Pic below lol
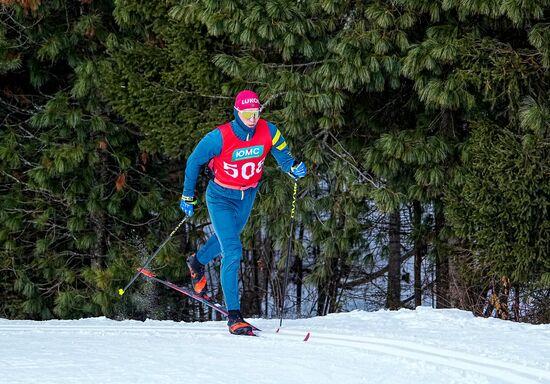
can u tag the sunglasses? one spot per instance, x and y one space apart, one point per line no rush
250 114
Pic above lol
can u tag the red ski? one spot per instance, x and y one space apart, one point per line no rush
203 298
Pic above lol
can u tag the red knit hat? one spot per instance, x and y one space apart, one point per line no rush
247 100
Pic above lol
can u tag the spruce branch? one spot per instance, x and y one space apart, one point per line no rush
271 98
38 191
300 65
190 93
346 158
149 222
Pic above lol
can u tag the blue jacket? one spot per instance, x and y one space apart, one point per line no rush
211 145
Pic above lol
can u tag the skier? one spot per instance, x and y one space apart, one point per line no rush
236 152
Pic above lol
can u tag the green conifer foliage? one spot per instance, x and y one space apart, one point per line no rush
321 68
488 63
502 206
280 49
73 181
438 104
159 77
377 97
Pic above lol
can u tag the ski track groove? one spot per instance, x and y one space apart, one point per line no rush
505 371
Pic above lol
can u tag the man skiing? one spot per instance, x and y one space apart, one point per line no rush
236 152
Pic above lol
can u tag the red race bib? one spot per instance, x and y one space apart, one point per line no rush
240 163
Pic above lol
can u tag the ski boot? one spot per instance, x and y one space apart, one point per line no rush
198 278
236 324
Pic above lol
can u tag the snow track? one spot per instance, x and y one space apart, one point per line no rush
433 347
504 371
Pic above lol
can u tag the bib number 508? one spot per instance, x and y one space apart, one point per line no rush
247 170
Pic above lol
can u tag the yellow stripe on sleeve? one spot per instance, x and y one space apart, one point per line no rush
276 138
282 146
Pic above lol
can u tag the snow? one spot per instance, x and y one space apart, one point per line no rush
422 346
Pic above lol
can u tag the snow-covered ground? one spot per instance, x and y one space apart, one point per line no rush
424 346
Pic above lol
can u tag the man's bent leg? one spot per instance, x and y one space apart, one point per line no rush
209 251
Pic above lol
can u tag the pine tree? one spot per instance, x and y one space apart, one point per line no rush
74 180
501 208
483 61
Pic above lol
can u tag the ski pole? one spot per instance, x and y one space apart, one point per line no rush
148 261
292 211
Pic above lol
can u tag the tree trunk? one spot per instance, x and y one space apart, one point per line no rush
258 273
267 257
516 303
333 285
442 260
298 268
503 311
393 298
99 218
321 288
249 276
419 252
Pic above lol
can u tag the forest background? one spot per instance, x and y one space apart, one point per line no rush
425 126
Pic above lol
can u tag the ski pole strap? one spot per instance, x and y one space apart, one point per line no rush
292 176
293 210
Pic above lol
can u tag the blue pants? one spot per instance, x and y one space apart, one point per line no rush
229 211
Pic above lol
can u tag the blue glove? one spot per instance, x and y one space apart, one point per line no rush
187 205
298 170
